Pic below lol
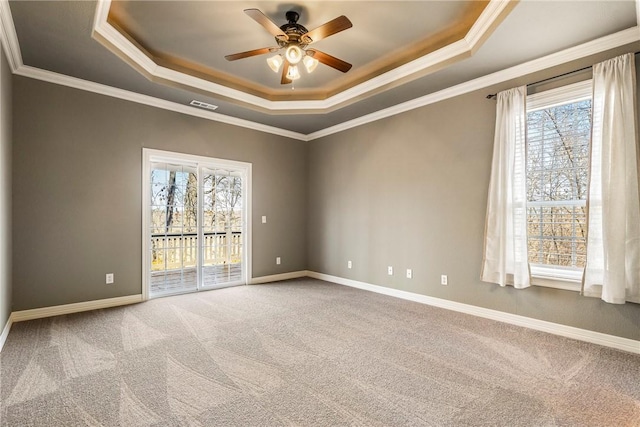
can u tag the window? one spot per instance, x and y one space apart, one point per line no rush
558 140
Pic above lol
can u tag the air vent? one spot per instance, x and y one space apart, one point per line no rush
203 105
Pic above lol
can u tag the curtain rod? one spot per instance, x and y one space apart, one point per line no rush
495 95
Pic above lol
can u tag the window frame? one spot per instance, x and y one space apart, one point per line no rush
558 277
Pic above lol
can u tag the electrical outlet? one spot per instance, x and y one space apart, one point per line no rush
109 278
349 264
390 271
264 219
444 280
278 260
409 273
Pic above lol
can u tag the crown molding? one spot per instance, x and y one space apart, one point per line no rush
104 32
8 37
112 36
64 80
593 47
487 21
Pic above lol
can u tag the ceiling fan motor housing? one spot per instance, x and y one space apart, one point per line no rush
294 31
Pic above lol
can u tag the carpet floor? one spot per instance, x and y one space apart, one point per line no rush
309 353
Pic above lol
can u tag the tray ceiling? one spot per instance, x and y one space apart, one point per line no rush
193 39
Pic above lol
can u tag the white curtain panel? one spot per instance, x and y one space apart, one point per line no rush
612 271
505 260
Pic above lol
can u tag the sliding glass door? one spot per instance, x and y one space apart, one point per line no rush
221 227
195 220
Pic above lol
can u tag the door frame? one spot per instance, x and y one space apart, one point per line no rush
150 155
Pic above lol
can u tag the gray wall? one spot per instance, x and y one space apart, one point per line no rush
77 163
5 189
410 191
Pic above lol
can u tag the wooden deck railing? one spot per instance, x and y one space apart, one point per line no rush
174 251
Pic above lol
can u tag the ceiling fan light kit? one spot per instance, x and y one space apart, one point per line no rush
309 63
294 39
293 54
275 62
293 73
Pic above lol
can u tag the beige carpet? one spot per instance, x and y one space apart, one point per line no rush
305 352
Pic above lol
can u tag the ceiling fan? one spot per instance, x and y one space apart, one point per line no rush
295 39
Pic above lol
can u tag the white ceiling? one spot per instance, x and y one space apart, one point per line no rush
56 37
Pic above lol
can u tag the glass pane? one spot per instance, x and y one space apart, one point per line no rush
174 246
189 278
557 235
557 172
159 218
157 259
222 227
558 152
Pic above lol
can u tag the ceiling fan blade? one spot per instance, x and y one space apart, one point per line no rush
285 70
250 53
332 27
329 60
267 23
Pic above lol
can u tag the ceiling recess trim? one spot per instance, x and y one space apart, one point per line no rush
9 37
490 17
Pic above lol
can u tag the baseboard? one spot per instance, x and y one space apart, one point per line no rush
599 338
5 332
278 277
625 344
39 313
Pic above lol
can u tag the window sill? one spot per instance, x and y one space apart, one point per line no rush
567 279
